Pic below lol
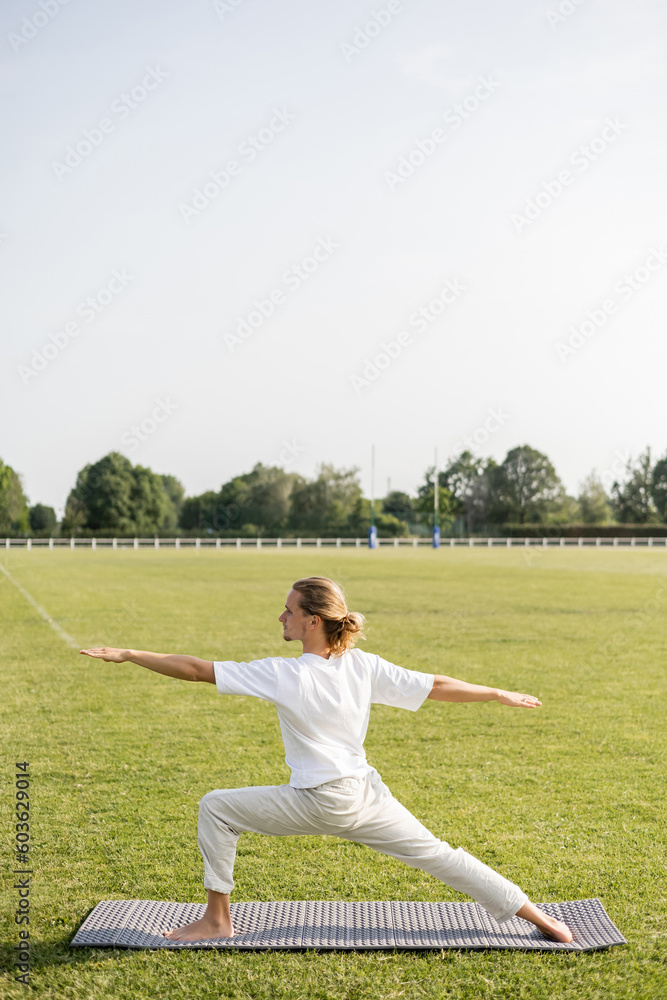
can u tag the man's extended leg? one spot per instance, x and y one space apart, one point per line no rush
390 828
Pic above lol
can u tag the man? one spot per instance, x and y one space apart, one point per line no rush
323 700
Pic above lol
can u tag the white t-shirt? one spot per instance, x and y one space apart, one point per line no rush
324 705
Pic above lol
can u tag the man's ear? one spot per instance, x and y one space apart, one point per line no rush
316 621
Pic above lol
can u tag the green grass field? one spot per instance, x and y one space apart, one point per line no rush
569 800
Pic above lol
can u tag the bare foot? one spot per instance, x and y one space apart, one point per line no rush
549 926
201 930
555 929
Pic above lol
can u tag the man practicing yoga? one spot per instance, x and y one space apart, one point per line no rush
323 700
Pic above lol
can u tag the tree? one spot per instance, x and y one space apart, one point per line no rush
562 508
260 499
327 504
565 509
199 513
659 488
525 487
76 513
387 524
102 497
112 496
175 494
468 480
42 520
593 501
425 502
149 501
399 505
13 502
632 500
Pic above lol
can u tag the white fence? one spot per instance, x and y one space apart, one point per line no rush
318 543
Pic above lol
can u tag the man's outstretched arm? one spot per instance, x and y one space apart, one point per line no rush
185 668
450 689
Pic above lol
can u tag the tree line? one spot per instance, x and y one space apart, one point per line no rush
475 496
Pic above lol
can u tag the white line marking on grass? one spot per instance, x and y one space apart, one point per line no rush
40 610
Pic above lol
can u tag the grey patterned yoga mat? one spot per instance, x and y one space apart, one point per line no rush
123 923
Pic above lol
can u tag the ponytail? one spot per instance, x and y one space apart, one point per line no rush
321 596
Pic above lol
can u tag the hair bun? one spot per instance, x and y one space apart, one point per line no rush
321 596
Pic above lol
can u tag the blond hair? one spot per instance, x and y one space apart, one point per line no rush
320 596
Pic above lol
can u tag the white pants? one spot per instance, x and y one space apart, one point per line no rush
358 809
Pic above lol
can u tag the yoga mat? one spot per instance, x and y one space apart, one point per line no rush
128 923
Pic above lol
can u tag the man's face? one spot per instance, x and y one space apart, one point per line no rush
293 620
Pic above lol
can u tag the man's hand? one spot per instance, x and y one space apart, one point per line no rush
516 700
450 689
107 653
185 668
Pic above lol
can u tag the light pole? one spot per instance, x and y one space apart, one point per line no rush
436 515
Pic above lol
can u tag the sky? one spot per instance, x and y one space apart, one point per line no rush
242 231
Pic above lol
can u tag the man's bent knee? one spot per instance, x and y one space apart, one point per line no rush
212 815
206 803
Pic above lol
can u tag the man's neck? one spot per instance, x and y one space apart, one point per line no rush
317 647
